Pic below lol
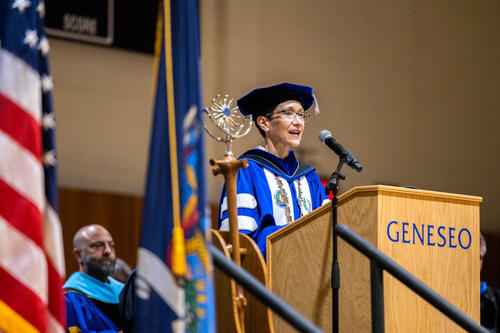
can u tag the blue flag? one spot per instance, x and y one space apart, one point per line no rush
174 289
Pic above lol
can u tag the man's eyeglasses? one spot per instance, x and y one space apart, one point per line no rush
290 115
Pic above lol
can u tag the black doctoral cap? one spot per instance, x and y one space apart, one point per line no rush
261 101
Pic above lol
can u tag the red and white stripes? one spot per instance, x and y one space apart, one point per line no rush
31 253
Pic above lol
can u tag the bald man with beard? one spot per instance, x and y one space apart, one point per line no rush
91 293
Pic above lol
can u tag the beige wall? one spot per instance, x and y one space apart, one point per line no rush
103 105
410 87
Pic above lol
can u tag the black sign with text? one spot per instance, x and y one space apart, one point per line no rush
85 20
124 24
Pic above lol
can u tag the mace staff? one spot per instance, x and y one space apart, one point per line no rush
225 123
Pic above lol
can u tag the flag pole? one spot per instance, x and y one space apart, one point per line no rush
178 248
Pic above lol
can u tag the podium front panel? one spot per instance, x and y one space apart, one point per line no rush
433 235
435 238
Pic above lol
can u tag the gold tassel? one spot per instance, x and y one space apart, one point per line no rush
178 252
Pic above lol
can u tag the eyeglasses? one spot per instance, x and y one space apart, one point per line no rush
290 115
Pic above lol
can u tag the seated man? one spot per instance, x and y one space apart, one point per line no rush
490 298
275 189
92 294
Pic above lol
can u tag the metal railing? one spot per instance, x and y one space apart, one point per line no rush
380 262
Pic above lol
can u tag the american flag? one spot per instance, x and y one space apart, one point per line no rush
31 253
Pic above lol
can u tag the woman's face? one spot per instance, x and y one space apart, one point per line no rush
284 126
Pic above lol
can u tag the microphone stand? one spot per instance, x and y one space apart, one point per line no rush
333 187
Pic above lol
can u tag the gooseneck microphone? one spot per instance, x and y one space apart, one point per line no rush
327 138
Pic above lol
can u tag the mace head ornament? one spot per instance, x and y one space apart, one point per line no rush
224 122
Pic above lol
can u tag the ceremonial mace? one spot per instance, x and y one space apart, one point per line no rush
224 123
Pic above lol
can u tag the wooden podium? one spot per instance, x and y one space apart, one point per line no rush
433 235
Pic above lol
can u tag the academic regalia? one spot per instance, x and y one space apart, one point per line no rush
92 305
490 307
127 303
261 101
262 202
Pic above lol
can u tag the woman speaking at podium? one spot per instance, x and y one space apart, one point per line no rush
275 189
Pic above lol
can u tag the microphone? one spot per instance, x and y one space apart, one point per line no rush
327 138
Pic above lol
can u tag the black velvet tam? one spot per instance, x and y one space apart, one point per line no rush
261 101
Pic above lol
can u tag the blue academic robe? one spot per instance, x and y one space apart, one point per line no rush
261 202
82 313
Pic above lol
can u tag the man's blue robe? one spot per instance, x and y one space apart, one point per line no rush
261 205
82 292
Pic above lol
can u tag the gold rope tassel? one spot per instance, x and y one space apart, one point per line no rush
178 252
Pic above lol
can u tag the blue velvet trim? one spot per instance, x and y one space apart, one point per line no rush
287 165
94 288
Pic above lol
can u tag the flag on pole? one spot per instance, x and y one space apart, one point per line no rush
31 252
174 289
